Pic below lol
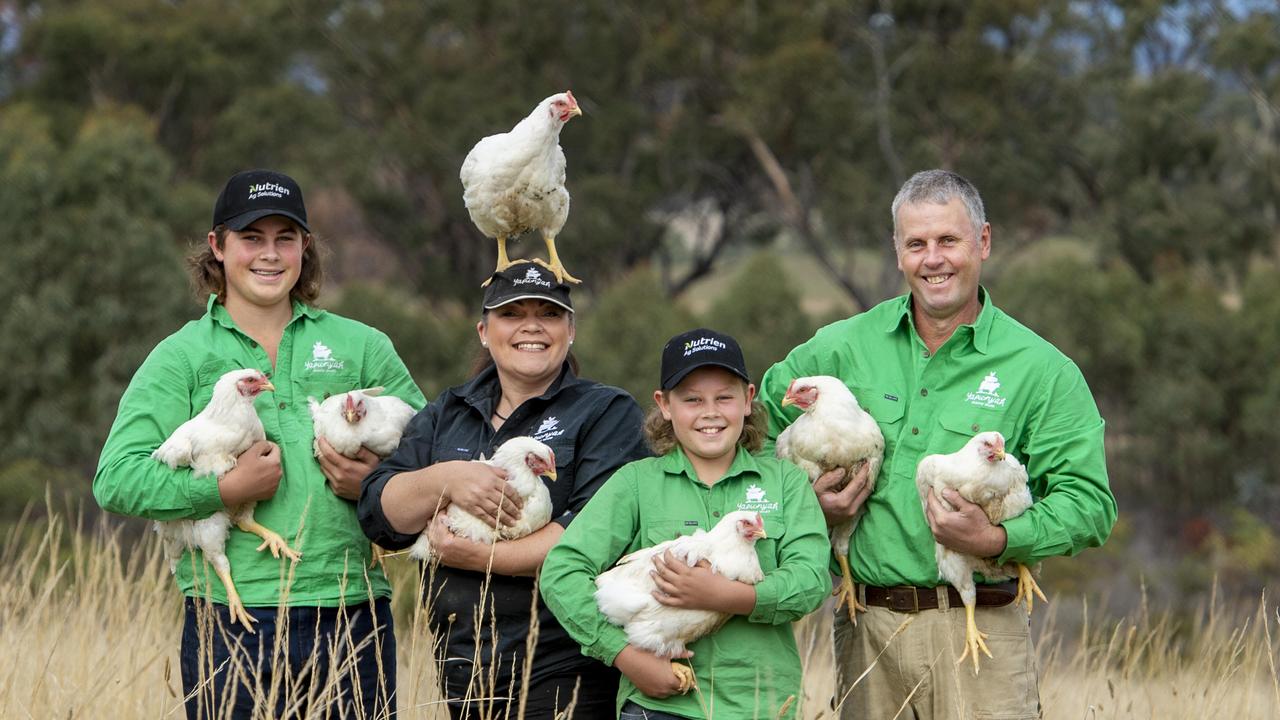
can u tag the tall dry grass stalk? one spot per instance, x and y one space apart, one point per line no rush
89 629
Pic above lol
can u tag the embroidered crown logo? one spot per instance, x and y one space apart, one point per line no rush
320 352
755 493
322 359
548 424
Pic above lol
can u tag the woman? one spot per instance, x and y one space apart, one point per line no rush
261 271
527 385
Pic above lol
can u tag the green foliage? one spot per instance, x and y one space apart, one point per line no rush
620 338
92 283
761 310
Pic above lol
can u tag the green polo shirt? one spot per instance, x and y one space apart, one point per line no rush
320 354
749 666
992 375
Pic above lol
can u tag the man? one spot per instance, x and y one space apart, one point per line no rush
935 367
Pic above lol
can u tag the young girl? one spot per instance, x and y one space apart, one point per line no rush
261 273
703 430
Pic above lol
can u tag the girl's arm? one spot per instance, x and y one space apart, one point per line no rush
128 480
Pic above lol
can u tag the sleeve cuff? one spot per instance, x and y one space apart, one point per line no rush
564 520
1019 542
766 602
202 493
606 649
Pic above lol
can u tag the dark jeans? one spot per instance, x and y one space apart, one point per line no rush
632 711
547 699
342 659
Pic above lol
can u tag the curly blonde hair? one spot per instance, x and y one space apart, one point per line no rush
208 275
661 434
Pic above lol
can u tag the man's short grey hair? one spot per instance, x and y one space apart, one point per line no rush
940 187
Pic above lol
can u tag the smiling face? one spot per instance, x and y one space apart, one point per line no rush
261 262
707 411
941 254
528 339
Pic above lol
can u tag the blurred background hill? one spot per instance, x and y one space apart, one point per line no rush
734 168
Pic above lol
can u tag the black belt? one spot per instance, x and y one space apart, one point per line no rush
910 599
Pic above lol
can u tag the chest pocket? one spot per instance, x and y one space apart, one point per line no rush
961 424
325 387
206 377
888 414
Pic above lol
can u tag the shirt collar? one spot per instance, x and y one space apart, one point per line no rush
677 463
482 391
979 331
218 312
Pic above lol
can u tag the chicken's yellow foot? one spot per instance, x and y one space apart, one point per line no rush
846 592
555 265
503 261
234 606
1026 586
270 539
684 673
974 639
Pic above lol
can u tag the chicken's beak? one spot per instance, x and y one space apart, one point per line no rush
999 455
350 416
759 533
551 474
788 400
575 111
266 385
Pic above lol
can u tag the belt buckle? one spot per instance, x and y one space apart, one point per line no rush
903 599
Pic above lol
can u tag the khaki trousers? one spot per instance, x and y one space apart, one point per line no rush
917 671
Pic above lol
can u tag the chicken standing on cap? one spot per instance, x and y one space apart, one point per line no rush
513 182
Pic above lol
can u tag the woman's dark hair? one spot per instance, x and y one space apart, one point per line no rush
661 434
482 359
208 275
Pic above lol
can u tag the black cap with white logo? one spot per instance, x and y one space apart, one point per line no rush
524 280
691 350
254 194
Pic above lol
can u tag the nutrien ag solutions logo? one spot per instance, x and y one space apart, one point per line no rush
756 501
322 359
702 343
258 190
988 395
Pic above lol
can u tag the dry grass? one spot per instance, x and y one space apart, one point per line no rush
90 630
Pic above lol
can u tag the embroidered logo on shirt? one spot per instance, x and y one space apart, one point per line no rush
547 429
987 395
756 501
322 359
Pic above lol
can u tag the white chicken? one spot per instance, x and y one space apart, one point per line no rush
984 474
834 432
513 182
524 459
360 418
624 593
209 444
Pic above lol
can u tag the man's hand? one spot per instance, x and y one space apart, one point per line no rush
652 675
345 474
697 588
255 477
482 490
840 504
962 526
453 550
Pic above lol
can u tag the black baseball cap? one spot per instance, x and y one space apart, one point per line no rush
525 280
691 350
254 194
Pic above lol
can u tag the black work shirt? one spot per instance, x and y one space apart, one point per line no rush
593 429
